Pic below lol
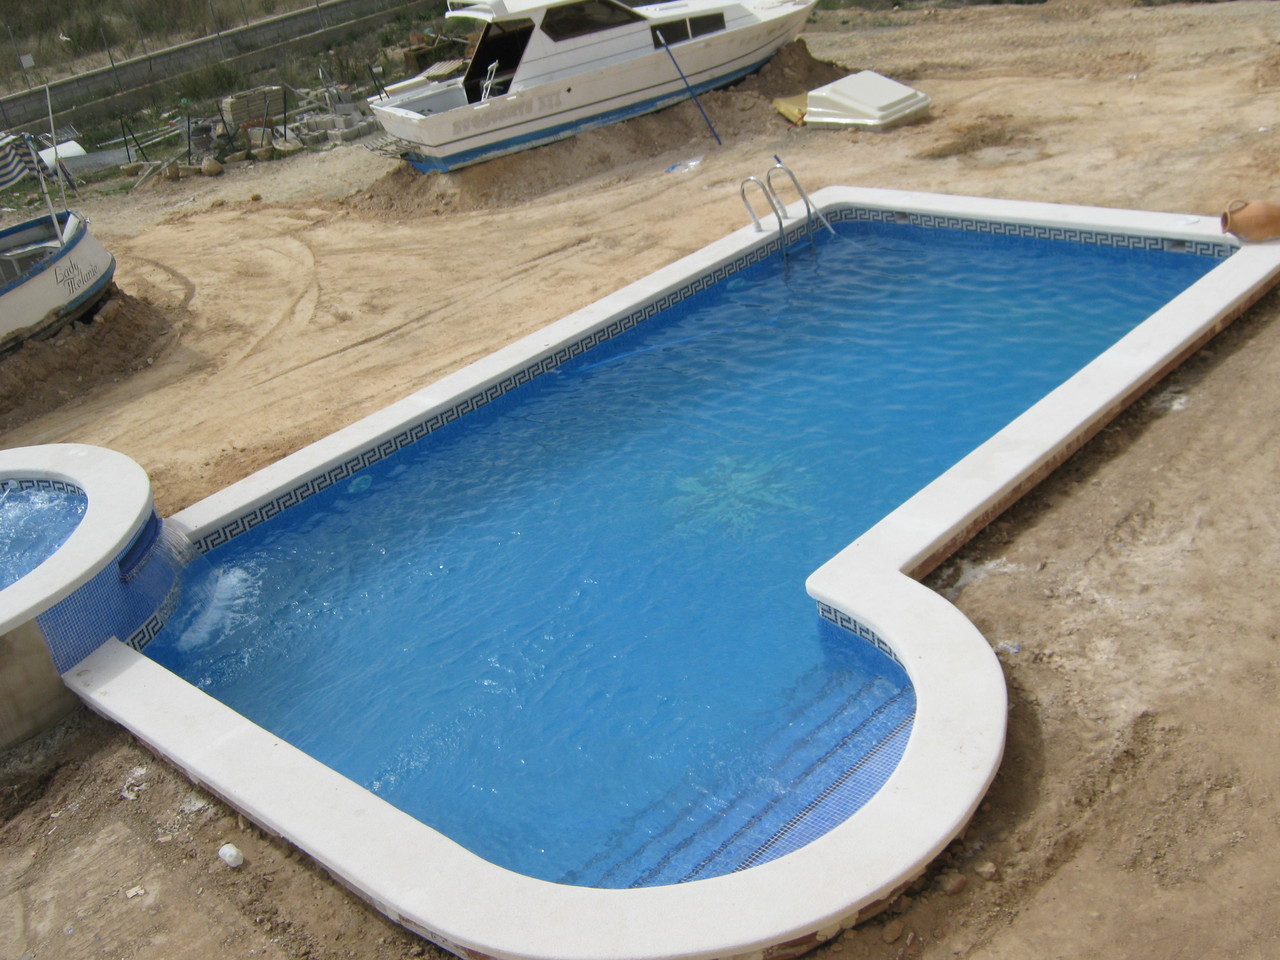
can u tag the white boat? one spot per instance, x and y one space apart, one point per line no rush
541 70
52 270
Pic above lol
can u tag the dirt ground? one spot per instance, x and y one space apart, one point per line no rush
1131 596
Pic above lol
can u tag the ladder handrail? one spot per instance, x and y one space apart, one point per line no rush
775 202
810 208
770 197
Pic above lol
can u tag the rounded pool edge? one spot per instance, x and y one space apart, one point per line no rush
430 884
119 502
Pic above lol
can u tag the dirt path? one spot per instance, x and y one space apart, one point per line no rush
1130 595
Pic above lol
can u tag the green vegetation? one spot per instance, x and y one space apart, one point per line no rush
64 37
67 36
196 95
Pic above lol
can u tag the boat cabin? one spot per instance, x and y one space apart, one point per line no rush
556 35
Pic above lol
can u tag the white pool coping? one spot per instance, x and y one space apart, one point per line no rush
119 502
432 885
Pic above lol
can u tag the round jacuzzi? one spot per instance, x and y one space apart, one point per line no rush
77 526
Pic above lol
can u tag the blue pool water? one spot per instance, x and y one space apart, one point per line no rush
34 523
569 630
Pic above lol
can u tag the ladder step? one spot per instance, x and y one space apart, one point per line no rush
388 145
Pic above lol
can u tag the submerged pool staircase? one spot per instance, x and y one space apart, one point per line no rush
812 213
829 758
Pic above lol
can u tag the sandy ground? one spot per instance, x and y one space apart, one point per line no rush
1130 596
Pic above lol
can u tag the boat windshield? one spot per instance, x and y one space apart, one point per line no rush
497 53
586 16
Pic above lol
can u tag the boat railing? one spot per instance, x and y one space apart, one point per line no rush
488 80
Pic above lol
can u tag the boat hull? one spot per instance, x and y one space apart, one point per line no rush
545 112
60 288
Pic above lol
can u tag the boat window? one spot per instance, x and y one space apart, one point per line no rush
672 32
710 23
678 30
586 16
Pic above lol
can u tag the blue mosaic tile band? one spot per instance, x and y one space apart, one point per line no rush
799 228
109 606
858 629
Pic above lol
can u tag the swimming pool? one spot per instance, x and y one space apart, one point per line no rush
550 685
433 886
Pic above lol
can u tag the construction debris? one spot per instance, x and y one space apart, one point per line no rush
865 99
260 124
256 105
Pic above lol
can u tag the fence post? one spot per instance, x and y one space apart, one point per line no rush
17 56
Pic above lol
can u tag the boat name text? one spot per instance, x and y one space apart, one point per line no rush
499 114
73 276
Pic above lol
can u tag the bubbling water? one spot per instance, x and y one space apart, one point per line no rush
34 522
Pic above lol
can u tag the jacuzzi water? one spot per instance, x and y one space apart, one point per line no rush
34 522
569 630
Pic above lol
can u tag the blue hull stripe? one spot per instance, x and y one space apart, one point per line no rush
558 132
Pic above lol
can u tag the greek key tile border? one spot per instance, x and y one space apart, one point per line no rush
153 624
1103 238
858 629
38 483
416 431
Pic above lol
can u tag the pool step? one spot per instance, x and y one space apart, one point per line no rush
824 798
825 762
662 822
767 823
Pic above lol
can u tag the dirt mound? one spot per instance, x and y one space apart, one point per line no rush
744 110
790 71
120 338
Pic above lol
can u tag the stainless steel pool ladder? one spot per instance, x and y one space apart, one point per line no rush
775 203
770 197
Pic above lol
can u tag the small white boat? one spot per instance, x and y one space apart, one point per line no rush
52 270
541 70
